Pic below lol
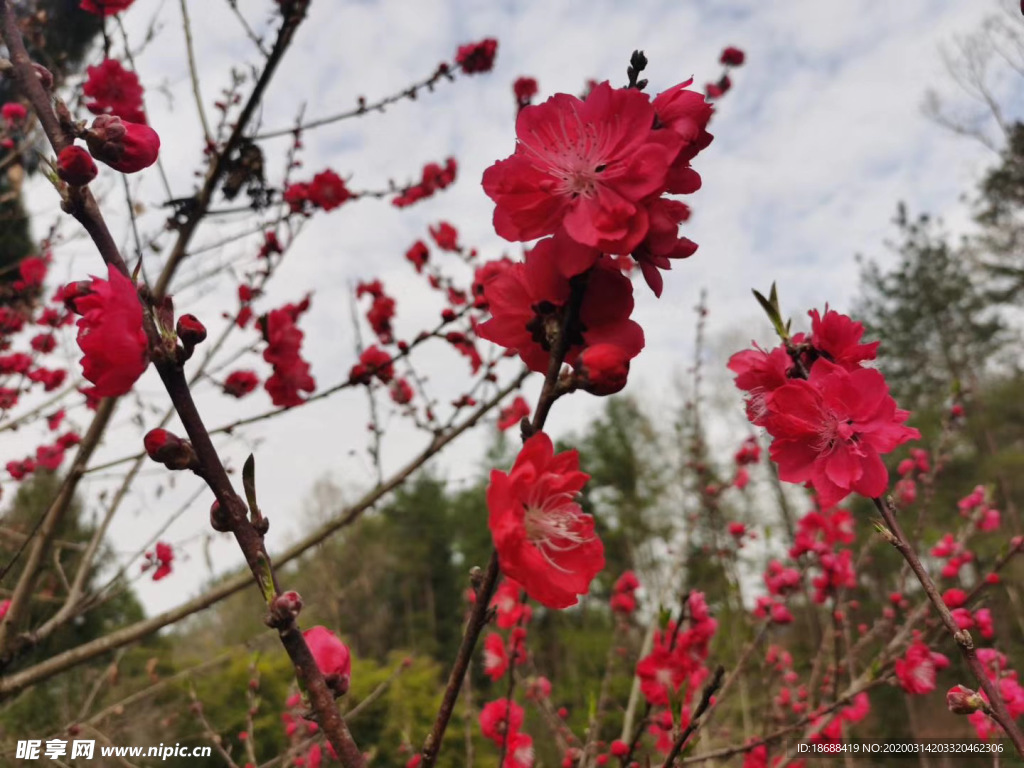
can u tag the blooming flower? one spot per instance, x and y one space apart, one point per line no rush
526 301
495 656
732 57
837 337
241 383
511 415
445 235
511 609
13 113
113 90
110 334
328 190
831 429
585 165
525 88
544 540
500 717
916 670
162 557
477 57
291 373
373 361
418 255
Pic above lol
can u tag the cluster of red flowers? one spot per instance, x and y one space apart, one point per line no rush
284 342
748 453
434 178
326 191
910 470
677 661
623 599
998 671
591 178
597 171
501 721
381 311
474 58
976 506
731 57
831 428
513 615
113 90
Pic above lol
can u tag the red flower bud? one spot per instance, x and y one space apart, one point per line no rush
218 520
191 332
285 608
332 657
603 369
124 146
963 701
75 166
170 450
45 76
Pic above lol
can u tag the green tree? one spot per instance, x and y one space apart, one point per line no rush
931 313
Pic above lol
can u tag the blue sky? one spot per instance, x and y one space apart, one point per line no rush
821 136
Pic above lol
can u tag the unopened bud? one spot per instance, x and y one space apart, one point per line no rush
71 292
963 701
218 519
191 332
45 76
288 604
124 146
602 369
76 166
170 450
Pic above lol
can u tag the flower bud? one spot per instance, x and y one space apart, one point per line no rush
75 166
218 520
124 146
45 76
332 658
170 450
602 369
191 332
963 701
285 608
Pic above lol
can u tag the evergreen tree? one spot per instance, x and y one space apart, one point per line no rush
931 313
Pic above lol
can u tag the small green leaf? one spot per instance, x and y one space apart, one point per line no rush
266 580
249 484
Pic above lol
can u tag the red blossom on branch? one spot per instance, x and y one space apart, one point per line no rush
114 348
544 540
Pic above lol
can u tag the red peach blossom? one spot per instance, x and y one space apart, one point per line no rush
544 540
585 165
114 348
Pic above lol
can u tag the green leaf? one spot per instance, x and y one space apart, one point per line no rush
249 484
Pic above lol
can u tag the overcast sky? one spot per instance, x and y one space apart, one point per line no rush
821 136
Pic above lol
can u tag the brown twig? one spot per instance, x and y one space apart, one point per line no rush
695 719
